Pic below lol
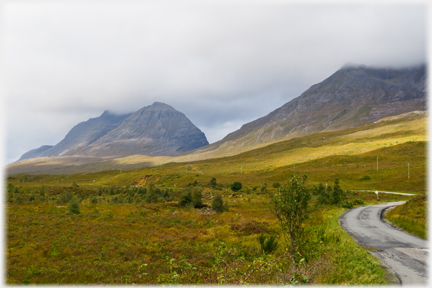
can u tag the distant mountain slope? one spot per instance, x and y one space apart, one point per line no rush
157 129
35 152
351 97
84 134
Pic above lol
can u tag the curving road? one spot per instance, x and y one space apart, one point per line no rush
403 253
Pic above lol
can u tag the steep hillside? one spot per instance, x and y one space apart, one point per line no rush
84 134
157 129
351 97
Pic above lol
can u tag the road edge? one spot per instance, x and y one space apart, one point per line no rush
391 276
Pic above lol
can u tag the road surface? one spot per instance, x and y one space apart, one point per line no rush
403 253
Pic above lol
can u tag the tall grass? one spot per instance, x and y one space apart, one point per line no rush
411 216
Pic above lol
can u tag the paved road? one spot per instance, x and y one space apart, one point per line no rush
403 253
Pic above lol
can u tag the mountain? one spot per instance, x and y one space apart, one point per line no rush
351 97
154 130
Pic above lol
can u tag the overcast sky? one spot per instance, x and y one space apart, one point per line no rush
222 65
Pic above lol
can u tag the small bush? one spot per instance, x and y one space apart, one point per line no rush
191 197
268 244
366 177
218 204
347 204
74 206
276 185
197 198
65 197
213 182
358 201
236 186
93 200
185 198
263 187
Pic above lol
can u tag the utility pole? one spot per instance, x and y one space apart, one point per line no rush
377 163
408 173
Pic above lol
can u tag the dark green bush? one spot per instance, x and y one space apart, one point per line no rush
191 196
347 204
74 206
236 186
366 177
218 204
213 182
358 201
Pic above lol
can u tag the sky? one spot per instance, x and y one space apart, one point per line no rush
222 64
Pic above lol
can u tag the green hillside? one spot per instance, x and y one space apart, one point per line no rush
132 227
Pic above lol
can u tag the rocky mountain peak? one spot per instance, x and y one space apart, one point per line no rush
157 129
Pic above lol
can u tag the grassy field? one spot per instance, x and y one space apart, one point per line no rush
411 217
121 236
112 242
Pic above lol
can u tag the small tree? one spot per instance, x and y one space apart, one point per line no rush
323 196
152 196
74 206
218 204
290 206
236 186
197 198
65 197
337 194
213 182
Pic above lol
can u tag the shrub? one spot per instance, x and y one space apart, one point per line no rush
213 182
347 204
192 197
366 177
263 187
185 198
236 186
218 204
74 206
197 198
290 206
152 197
323 196
93 200
65 197
276 185
358 201
268 244
337 194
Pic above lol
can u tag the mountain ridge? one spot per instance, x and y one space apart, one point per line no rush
350 97
153 130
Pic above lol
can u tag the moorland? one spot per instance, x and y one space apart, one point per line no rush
119 223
